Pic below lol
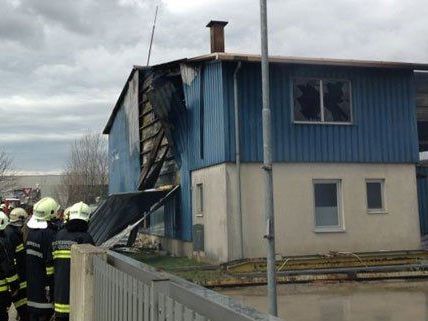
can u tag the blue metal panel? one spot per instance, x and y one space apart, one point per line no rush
124 141
383 129
188 135
124 161
213 116
422 178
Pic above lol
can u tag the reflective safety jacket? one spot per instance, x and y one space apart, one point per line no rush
14 237
40 270
9 280
74 232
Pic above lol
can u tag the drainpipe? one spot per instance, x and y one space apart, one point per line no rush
238 162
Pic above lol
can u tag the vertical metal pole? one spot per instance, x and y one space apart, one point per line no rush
267 165
151 37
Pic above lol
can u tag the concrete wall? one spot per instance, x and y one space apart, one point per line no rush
397 229
214 216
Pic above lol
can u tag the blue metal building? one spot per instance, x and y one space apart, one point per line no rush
193 100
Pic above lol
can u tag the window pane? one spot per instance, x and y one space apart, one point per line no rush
337 106
199 198
374 195
326 211
306 93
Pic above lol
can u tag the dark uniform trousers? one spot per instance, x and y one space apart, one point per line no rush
40 273
14 237
61 254
9 280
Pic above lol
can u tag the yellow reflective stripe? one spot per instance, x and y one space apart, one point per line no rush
4 288
61 254
3 282
12 279
19 248
62 308
49 270
22 285
20 303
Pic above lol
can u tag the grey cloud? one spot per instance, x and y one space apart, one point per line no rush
16 26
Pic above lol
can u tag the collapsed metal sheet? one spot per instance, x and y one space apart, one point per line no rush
121 210
115 240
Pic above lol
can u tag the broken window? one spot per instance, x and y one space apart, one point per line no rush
322 100
336 101
307 100
327 204
375 195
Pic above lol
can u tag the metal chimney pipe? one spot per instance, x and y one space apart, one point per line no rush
217 35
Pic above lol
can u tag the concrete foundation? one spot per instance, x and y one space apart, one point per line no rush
397 228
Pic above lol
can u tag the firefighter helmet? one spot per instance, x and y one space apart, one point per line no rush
79 211
18 215
43 211
4 221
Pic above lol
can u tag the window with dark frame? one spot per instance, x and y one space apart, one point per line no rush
199 199
327 194
322 100
375 195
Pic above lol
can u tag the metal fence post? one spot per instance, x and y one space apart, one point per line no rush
83 281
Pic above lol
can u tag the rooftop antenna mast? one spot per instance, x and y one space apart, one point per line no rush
153 33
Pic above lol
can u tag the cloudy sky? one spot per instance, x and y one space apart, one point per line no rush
63 63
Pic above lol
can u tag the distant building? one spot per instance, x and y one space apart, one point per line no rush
345 149
30 188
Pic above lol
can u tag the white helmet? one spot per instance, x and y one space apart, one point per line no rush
18 215
43 211
79 211
4 221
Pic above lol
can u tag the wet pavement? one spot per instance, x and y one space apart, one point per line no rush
379 301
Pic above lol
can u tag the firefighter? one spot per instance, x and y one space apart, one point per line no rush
9 280
13 233
75 231
39 261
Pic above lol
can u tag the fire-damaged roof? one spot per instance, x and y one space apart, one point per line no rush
221 56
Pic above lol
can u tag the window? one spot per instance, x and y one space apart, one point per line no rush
199 199
327 196
322 100
375 195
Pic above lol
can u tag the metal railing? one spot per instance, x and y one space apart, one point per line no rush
128 290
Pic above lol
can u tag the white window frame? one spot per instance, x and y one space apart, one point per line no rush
341 220
322 121
199 199
382 210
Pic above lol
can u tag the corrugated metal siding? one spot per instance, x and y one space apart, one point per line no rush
422 179
188 138
213 116
124 141
383 107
